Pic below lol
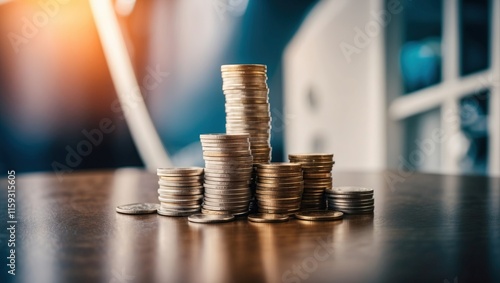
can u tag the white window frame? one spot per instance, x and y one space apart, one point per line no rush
453 87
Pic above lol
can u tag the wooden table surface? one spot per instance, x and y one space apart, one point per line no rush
426 228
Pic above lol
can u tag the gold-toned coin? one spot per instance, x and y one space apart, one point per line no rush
267 218
176 171
188 179
311 156
223 137
231 155
319 215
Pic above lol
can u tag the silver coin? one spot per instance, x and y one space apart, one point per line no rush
350 211
178 206
175 213
224 147
228 177
231 212
210 218
235 181
228 187
180 202
183 192
225 204
352 201
228 207
226 198
180 184
350 190
221 195
183 201
349 196
235 192
223 137
137 208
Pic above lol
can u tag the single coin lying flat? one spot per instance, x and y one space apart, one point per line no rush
137 208
210 218
319 215
267 218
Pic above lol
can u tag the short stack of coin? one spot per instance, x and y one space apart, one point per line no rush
317 170
228 169
181 190
279 188
351 200
247 106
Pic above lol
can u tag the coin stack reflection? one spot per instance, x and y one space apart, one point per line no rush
181 190
317 170
228 169
279 187
247 106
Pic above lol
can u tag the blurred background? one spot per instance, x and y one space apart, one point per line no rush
410 85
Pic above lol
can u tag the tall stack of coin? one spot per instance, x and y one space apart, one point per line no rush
247 106
351 200
317 170
228 169
279 187
181 190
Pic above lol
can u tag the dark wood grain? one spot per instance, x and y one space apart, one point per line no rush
426 228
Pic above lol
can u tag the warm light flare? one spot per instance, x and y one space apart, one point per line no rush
141 127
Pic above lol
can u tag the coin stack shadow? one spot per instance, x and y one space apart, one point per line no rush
351 200
228 169
279 187
181 190
317 170
247 106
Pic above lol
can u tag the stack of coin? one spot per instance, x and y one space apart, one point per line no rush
181 191
228 169
317 170
279 188
351 200
247 106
